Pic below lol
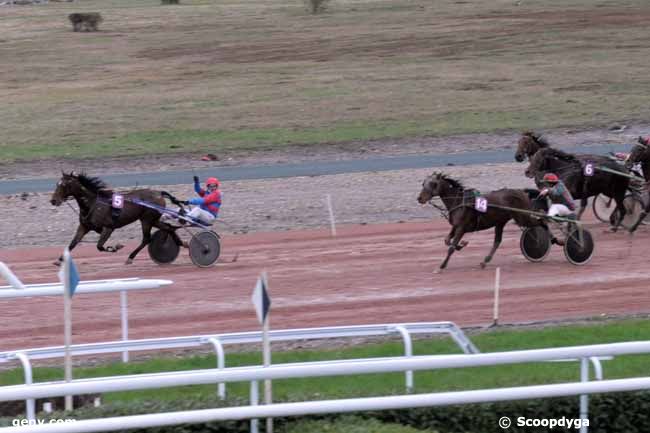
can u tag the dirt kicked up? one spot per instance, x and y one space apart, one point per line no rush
378 273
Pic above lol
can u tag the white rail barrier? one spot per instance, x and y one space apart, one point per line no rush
19 290
219 340
325 369
84 287
339 406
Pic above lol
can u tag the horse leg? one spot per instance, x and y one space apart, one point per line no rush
619 213
583 206
498 235
449 236
81 232
644 213
146 238
458 234
106 233
172 231
642 216
460 246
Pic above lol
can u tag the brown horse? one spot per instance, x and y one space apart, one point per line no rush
529 144
570 169
96 211
503 205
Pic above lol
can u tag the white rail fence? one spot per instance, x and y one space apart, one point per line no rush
328 369
218 341
17 289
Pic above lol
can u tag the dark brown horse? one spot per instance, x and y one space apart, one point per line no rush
96 211
502 207
570 169
529 143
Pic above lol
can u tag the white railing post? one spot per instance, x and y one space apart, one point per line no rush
408 352
598 368
255 400
331 213
30 403
584 398
124 307
221 363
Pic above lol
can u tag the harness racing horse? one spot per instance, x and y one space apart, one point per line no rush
529 144
640 154
464 218
96 212
570 169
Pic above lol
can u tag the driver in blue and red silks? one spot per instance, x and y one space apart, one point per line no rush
208 203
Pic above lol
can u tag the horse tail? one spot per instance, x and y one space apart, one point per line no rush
527 202
169 196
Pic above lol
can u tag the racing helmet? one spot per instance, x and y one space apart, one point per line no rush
212 181
551 178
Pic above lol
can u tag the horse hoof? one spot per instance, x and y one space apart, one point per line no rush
128 261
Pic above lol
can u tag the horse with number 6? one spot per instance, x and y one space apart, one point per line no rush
469 212
584 176
102 210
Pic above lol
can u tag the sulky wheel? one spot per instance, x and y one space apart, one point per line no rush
163 248
535 243
579 246
603 207
205 248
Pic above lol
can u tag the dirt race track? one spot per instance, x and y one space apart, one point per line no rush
368 274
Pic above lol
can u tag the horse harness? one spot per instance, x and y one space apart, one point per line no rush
468 200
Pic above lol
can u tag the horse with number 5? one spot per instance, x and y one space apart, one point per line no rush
470 212
102 211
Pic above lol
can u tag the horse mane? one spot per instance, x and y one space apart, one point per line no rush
556 153
92 183
537 138
453 182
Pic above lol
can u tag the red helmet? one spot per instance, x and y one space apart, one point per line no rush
551 177
212 181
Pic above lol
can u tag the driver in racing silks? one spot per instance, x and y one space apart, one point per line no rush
208 203
561 200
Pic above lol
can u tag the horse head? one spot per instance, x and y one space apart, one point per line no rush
529 143
66 187
435 185
639 153
535 165
430 188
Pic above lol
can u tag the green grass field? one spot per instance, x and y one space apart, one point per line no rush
441 380
241 76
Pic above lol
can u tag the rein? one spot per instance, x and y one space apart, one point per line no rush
446 212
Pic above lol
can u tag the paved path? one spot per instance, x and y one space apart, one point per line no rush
303 169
